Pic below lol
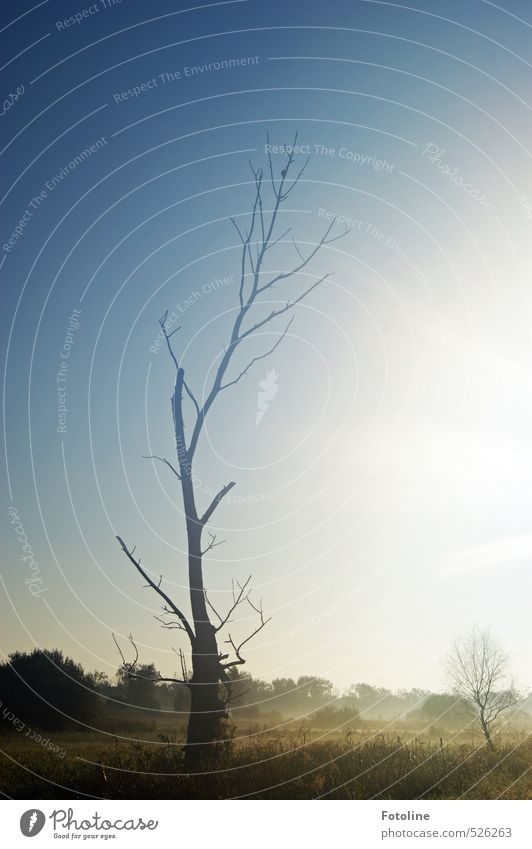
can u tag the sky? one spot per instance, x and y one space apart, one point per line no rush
382 500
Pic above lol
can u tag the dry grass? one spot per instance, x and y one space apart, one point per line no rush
285 763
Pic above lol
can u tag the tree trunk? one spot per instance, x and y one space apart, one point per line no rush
207 710
486 731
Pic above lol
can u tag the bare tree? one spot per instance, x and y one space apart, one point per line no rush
209 683
479 670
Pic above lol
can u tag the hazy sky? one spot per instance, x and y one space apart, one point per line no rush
383 500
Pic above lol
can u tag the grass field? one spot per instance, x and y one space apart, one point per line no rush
283 762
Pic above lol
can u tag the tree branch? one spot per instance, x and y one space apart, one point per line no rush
181 616
215 501
192 397
237 649
237 599
256 359
288 306
129 667
212 544
167 336
162 460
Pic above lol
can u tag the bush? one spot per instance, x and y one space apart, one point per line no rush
44 689
336 718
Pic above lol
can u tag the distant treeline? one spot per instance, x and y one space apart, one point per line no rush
46 690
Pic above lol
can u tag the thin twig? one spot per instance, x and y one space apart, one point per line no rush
157 588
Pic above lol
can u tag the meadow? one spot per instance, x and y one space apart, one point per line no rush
273 760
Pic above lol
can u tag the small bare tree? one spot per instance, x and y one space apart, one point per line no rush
209 681
479 671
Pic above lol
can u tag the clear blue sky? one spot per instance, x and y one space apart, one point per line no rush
385 493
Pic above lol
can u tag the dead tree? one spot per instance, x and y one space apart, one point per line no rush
478 669
209 683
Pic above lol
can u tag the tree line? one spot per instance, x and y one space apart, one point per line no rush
47 690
